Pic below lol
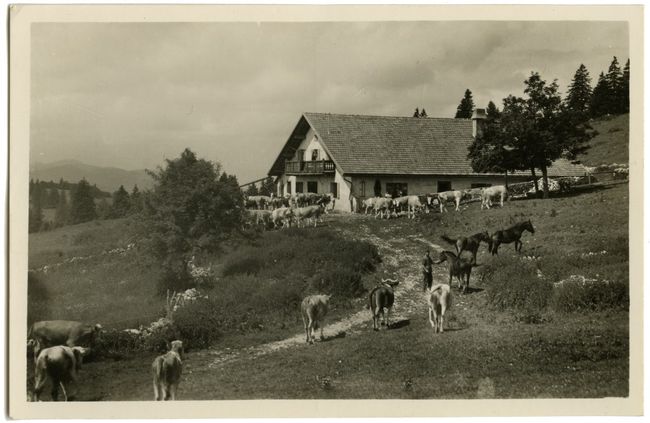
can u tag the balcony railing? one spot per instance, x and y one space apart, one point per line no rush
316 167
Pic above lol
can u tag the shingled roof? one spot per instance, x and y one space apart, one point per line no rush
361 144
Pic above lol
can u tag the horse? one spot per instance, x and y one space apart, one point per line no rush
470 243
458 267
491 192
513 233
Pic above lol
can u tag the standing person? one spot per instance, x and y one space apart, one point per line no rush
427 276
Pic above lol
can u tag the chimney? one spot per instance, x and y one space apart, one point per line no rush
478 120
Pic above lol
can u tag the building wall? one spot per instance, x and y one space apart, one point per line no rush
309 144
418 185
342 203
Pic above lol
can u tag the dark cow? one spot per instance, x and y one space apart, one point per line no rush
382 297
50 333
60 365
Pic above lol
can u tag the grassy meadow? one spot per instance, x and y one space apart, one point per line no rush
525 330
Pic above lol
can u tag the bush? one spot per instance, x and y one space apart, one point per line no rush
243 261
581 294
175 278
515 286
198 323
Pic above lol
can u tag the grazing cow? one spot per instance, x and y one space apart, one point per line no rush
413 205
490 193
167 370
512 234
261 216
473 193
260 201
49 333
313 309
368 204
439 302
382 297
401 202
283 216
470 243
60 365
458 267
382 205
446 196
308 213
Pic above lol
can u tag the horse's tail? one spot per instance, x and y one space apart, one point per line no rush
447 239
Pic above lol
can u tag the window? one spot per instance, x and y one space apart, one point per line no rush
377 188
444 186
314 154
396 189
312 186
298 187
334 189
300 155
480 185
362 188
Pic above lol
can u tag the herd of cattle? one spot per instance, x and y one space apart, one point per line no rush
307 208
58 346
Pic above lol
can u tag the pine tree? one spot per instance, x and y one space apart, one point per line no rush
416 113
423 113
136 200
104 210
614 80
466 106
121 203
268 186
579 94
252 190
625 100
600 97
493 112
82 207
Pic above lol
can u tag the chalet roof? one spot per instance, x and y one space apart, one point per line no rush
361 144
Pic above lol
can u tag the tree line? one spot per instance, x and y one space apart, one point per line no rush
77 203
267 187
534 130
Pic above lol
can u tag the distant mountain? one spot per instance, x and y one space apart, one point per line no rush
106 178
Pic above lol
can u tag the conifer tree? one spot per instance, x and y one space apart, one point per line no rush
578 98
614 80
466 106
625 100
599 98
121 203
82 206
416 113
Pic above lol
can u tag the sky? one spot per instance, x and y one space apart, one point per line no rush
130 95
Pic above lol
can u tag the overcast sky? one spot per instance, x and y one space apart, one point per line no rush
129 95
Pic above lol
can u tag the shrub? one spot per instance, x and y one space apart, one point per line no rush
198 323
243 261
580 294
515 286
175 278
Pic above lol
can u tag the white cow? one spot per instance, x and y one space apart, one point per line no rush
60 365
439 301
490 193
446 196
313 309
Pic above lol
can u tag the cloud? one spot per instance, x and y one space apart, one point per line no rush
130 94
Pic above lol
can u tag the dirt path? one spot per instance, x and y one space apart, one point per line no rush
401 258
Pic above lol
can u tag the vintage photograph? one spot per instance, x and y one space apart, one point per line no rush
328 209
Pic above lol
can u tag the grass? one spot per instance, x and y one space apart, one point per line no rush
611 144
573 351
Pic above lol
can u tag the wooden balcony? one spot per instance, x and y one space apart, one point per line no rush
318 167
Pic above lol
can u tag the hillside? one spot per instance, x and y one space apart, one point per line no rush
106 178
611 145
576 346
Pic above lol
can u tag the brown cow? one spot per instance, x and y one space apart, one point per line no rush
49 333
167 370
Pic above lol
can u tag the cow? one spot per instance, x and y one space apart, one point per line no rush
413 205
473 193
446 196
283 216
490 193
261 216
368 204
382 297
313 309
167 370
50 333
401 202
260 201
439 301
381 205
60 365
309 212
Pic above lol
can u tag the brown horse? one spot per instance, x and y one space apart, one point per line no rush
470 243
458 267
512 234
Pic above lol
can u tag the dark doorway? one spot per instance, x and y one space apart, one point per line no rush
444 186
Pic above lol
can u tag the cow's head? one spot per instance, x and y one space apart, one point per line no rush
79 354
177 347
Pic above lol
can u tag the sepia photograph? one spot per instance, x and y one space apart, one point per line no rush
220 205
